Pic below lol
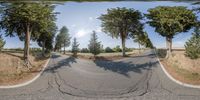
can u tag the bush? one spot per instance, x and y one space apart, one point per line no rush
192 47
117 49
84 50
108 50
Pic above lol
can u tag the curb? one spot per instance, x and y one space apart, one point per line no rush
173 79
28 82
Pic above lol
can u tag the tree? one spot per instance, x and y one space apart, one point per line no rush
46 37
117 49
58 44
170 21
94 46
75 48
64 37
26 20
192 46
2 42
142 39
118 22
85 50
108 50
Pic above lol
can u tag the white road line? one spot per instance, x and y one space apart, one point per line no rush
28 82
173 79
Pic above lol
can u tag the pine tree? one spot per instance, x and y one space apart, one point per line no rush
192 46
75 48
94 46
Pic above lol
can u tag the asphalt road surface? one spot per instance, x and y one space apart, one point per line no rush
133 78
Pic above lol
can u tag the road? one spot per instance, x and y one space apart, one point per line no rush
133 78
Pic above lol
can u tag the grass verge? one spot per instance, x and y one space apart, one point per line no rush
13 71
181 67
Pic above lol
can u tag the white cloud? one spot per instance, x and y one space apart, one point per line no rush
81 33
91 18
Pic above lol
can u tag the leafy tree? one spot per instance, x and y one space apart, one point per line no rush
26 20
108 50
117 49
46 37
143 39
2 42
119 22
58 44
94 46
192 46
65 37
85 50
169 21
75 48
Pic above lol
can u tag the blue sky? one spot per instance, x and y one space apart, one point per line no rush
81 20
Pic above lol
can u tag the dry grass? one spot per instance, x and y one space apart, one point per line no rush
13 71
183 68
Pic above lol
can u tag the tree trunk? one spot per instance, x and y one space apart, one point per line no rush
123 47
26 46
139 48
64 47
169 46
43 48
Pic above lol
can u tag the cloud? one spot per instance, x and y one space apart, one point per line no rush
91 18
81 33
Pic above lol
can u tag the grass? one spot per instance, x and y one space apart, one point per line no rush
181 67
13 71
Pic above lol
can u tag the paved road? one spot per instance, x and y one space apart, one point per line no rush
134 78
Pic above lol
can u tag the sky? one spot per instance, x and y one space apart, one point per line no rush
82 18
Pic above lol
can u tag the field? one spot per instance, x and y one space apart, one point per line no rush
181 67
13 71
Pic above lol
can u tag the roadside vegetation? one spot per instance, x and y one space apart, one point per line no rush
36 22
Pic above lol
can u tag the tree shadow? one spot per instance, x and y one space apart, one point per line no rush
62 63
123 67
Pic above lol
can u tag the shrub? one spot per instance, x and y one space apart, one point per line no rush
192 47
108 50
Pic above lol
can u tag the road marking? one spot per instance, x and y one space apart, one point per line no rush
173 79
28 82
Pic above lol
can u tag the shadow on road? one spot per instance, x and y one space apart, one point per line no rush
123 67
62 63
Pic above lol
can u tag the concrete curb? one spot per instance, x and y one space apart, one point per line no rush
173 79
28 82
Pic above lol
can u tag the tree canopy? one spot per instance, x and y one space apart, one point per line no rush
169 21
119 22
26 20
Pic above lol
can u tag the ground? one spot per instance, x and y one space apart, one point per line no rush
133 78
13 71
182 67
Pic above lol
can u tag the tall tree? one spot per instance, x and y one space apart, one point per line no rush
118 22
75 48
26 20
170 21
64 37
2 42
58 44
94 46
46 37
